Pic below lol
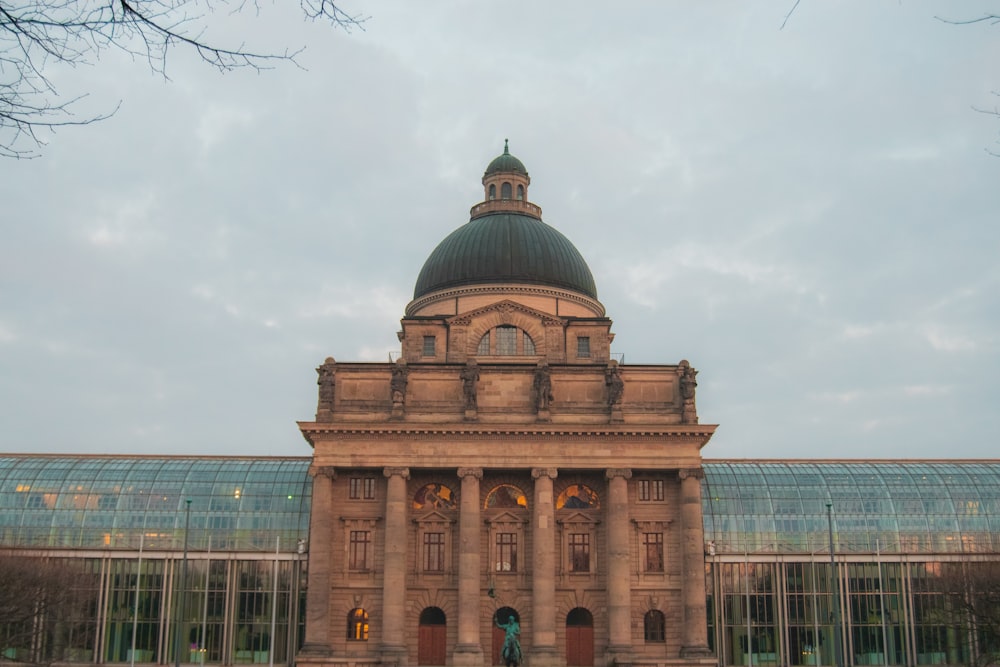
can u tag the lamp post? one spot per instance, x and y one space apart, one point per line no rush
180 603
834 587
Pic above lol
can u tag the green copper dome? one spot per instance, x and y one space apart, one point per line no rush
503 247
506 162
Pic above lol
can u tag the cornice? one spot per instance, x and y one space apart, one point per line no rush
494 431
505 288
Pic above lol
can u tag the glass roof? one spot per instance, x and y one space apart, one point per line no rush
875 506
114 502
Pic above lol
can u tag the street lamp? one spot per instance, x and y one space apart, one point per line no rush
834 587
183 586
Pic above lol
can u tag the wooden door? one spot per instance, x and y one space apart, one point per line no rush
579 638
431 645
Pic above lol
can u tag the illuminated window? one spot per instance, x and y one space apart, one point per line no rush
357 625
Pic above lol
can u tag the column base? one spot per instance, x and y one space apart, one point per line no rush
544 657
467 655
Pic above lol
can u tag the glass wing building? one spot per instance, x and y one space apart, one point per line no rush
202 560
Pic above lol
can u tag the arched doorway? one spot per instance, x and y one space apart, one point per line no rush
502 615
432 644
579 638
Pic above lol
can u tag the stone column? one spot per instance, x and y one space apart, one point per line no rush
619 577
393 646
469 651
694 641
317 639
543 571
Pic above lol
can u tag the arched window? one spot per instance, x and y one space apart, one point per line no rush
505 191
434 496
357 625
578 496
506 495
654 626
493 191
520 193
510 341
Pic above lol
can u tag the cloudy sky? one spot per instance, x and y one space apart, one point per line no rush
808 214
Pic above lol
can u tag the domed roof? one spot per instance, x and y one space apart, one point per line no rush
506 162
505 247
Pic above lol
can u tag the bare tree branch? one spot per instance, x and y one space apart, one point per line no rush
36 34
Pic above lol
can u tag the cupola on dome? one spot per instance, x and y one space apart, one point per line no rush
505 241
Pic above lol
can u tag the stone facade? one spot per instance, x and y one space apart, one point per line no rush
506 466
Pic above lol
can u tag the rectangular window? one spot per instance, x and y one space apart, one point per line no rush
583 346
506 552
650 489
579 552
433 552
653 546
359 550
506 340
430 347
362 487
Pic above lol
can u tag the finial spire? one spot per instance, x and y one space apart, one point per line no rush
506 151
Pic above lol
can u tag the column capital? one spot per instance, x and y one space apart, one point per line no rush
697 473
322 471
611 473
551 473
470 472
397 472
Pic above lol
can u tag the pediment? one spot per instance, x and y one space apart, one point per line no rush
506 517
508 312
578 518
434 517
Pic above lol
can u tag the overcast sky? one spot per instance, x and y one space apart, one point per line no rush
808 214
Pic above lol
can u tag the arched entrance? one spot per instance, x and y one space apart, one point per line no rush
432 644
502 615
579 638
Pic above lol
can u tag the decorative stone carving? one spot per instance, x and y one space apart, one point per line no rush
611 473
505 308
327 382
542 387
397 387
470 382
470 472
551 473
393 472
685 473
322 471
688 384
616 386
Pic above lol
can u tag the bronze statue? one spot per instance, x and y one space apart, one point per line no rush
511 651
470 378
542 386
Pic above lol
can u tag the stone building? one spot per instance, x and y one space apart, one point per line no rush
506 468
